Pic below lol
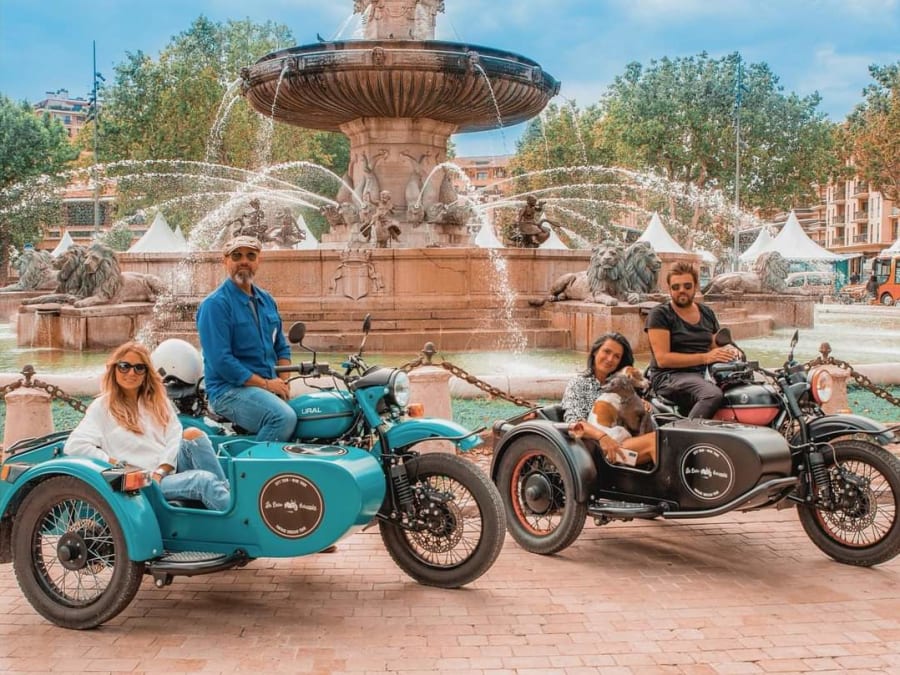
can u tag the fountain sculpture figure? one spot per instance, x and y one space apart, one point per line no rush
398 94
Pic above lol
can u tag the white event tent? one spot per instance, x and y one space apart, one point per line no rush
159 238
63 244
794 244
892 249
659 238
760 244
179 235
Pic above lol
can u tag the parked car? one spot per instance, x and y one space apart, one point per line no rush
811 281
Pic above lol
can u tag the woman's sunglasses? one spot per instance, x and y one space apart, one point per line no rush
124 367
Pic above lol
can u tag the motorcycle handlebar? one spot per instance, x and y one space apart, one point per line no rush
306 369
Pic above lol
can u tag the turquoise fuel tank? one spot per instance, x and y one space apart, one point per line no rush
323 415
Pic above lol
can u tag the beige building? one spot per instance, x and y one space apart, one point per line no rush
859 219
72 112
482 172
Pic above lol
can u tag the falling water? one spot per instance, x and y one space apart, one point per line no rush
217 132
490 87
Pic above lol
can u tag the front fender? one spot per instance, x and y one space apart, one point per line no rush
136 517
831 426
582 465
416 430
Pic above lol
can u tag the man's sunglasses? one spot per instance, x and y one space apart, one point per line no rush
237 255
124 367
677 287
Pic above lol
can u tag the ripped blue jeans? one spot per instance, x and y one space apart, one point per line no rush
198 476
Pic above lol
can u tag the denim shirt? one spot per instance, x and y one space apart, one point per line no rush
234 344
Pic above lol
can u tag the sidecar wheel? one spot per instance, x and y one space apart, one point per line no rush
459 526
538 490
70 556
864 529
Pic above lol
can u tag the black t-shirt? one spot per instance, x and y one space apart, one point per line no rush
684 337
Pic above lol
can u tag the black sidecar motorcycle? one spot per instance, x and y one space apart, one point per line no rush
846 487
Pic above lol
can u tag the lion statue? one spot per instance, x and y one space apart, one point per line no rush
640 276
601 282
770 271
89 277
36 272
69 278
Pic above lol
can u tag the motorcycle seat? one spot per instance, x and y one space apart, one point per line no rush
221 419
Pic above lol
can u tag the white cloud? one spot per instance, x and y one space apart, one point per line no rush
837 76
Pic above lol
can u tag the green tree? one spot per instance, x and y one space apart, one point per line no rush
678 117
873 131
186 106
32 150
560 159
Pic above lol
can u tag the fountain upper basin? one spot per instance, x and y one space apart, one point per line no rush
325 85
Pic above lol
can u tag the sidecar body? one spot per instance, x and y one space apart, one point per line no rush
704 468
288 499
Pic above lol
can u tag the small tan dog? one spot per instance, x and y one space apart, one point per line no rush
620 405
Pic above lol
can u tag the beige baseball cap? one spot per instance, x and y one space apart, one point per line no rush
241 242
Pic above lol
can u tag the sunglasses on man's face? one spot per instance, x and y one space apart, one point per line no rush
237 255
124 367
677 287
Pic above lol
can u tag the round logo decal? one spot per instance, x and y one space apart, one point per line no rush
291 505
707 472
317 450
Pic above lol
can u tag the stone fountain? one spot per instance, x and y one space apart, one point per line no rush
398 95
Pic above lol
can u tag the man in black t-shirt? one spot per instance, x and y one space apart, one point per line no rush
681 343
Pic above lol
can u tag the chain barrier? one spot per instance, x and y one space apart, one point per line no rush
54 391
826 359
429 351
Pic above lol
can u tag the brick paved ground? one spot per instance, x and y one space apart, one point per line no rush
745 593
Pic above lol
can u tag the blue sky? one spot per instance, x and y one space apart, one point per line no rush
812 45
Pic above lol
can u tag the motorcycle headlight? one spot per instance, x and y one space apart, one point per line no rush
821 385
398 388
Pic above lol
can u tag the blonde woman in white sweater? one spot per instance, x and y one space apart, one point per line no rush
133 421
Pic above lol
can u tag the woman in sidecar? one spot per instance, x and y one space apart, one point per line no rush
590 410
133 421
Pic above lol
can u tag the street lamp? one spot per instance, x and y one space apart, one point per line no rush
94 114
739 90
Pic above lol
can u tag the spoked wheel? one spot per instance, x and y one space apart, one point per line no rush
538 490
70 557
457 532
863 528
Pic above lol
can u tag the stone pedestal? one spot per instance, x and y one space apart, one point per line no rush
839 402
28 415
80 329
430 386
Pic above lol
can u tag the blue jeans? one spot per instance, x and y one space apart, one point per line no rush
198 476
258 411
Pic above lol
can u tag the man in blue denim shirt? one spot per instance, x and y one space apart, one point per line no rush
242 341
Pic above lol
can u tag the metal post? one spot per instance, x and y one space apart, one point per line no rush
738 89
96 115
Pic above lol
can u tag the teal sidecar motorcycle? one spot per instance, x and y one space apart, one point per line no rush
82 533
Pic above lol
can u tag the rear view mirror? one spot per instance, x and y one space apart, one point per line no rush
297 332
723 337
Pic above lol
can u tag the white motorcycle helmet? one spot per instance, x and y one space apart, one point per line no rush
179 360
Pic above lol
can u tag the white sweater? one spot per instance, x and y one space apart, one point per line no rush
99 435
